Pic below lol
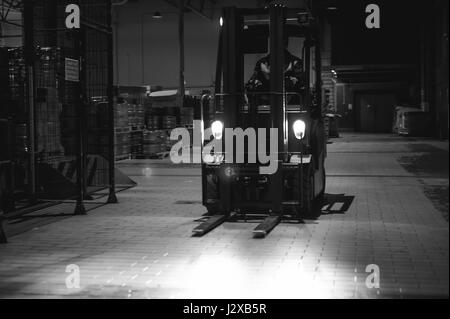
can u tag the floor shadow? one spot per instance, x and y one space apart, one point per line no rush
332 204
438 195
432 162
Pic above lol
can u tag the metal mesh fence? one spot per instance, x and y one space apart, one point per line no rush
68 126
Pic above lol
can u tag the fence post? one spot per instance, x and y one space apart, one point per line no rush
81 115
112 198
29 62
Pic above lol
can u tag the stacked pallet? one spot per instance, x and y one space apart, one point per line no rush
122 148
136 116
169 122
168 144
135 97
122 130
121 114
153 122
153 119
186 116
136 140
153 143
163 110
131 119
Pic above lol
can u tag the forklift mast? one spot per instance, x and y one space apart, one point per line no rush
229 84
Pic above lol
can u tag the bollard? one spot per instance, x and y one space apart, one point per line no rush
3 239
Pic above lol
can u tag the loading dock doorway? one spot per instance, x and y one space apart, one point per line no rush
375 111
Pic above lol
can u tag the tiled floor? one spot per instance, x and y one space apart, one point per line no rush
142 247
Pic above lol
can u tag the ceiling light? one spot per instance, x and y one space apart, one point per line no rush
157 15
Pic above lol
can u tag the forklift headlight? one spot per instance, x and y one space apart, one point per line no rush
299 129
217 130
230 172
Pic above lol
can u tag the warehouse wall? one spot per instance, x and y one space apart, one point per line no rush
147 50
437 91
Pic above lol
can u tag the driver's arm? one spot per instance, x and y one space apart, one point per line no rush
260 77
293 75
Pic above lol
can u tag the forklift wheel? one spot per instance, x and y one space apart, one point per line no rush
308 190
211 211
321 195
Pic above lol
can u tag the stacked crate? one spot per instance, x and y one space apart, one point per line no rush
136 118
187 116
162 116
134 97
153 142
139 116
169 122
136 140
165 111
153 118
122 130
122 145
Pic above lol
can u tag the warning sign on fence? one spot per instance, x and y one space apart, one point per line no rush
72 70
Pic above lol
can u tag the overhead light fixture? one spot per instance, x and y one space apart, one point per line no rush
221 21
302 17
157 15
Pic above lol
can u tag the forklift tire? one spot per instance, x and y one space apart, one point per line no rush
307 204
320 197
212 211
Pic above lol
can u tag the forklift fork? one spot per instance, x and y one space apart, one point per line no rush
263 229
207 226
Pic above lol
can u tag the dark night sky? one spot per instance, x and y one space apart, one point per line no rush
395 42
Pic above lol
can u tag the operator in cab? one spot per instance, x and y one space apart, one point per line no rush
259 82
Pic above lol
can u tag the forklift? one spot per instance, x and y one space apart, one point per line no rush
238 191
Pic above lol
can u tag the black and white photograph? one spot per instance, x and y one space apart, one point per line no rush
223 154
